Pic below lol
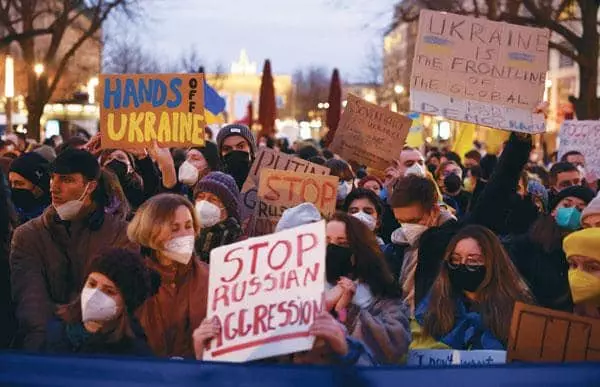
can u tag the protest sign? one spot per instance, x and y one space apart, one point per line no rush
582 136
268 158
266 292
448 357
137 109
479 71
280 190
369 134
546 335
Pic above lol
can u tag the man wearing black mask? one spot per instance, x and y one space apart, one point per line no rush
30 185
237 149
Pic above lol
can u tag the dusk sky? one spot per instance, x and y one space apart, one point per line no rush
292 33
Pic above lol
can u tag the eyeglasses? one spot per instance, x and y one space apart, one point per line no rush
471 268
469 260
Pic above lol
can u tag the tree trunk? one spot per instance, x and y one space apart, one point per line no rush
37 97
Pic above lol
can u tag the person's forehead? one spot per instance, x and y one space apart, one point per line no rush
411 155
372 183
119 153
573 200
568 174
575 157
75 175
410 211
14 176
234 140
194 153
362 203
182 214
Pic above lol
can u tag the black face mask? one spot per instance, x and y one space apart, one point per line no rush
118 167
237 164
338 263
24 199
465 277
452 183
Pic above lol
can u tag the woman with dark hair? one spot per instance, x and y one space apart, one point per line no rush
367 207
199 162
102 320
471 301
361 290
344 172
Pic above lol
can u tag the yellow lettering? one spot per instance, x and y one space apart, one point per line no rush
135 131
119 134
198 132
175 129
150 127
164 129
185 127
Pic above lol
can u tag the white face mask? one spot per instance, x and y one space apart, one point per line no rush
180 249
70 209
97 305
413 231
416 169
367 219
208 213
188 174
363 297
344 189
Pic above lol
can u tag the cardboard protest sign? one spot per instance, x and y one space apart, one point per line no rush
582 136
266 292
369 134
545 335
136 109
280 190
448 357
268 158
479 71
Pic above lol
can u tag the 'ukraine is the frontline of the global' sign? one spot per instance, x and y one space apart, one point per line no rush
137 109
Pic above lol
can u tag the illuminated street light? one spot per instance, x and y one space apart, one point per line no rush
326 105
9 77
38 69
91 89
398 89
320 105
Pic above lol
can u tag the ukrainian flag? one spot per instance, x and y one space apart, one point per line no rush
214 106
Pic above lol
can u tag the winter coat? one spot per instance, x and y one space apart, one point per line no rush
48 260
170 317
72 338
221 234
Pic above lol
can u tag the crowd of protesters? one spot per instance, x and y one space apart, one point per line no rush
107 251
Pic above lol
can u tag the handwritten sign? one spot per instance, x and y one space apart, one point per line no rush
268 158
280 190
136 109
582 136
479 71
266 293
369 134
449 357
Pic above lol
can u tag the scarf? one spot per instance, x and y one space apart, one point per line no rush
468 333
222 234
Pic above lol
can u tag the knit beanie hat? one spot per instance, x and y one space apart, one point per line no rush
224 187
46 152
236 130
368 178
211 155
585 243
127 270
76 161
300 215
593 208
576 191
34 168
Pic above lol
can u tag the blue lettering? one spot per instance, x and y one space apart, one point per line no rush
145 90
174 86
130 94
160 93
108 94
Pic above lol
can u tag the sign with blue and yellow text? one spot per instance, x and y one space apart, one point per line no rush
136 109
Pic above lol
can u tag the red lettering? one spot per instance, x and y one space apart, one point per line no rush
236 295
292 180
260 313
230 332
311 275
269 277
288 252
305 197
307 312
271 316
292 277
260 161
221 293
328 195
273 194
288 314
254 248
301 246
239 261
243 329
254 286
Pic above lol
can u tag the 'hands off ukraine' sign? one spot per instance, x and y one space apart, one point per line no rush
135 110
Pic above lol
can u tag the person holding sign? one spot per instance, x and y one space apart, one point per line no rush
166 226
102 319
362 291
470 303
217 203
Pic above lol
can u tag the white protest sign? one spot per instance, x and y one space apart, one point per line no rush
582 136
448 357
266 292
479 71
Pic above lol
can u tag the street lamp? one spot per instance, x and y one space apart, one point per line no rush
321 105
9 90
91 90
326 105
398 89
38 69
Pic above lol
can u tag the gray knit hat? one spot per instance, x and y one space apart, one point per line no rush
593 208
300 215
237 130
224 187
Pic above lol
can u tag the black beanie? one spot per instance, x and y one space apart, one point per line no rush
76 161
236 130
576 191
34 168
127 270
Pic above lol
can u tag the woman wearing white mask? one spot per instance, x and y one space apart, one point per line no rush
198 163
344 172
366 206
217 203
102 320
166 226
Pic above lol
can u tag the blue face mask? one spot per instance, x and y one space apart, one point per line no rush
569 218
383 194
